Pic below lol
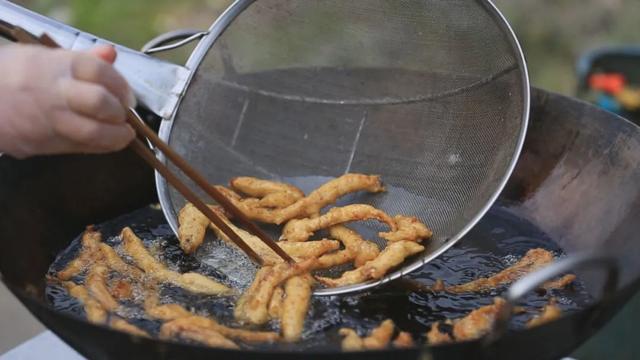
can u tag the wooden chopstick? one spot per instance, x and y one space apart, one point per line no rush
141 128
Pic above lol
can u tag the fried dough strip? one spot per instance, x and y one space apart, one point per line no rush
121 289
379 338
474 325
351 340
171 312
549 313
260 188
333 259
196 283
533 260
266 193
364 250
560 283
295 306
275 304
124 326
189 331
115 263
435 336
410 228
252 306
403 340
391 256
96 284
88 254
297 250
302 229
192 225
312 204
95 312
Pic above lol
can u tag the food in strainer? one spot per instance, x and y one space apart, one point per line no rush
302 229
393 255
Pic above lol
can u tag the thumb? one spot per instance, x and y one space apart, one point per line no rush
105 52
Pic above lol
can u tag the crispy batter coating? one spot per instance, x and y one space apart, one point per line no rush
379 338
121 289
275 304
122 325
88 254
296 250
549 313
96 284
255 187
196 283
533 260
403 340
295 306
333 259
167 312
115 263
410 228
560 283
95 312
473 326
312 204
351 340
266 193
252 306
364 250
436 336
189 331
302 229
391 256
170 312
192 225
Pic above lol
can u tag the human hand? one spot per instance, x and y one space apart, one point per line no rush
55 101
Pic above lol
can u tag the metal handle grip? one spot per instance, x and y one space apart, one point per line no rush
157 84
534 280
172 40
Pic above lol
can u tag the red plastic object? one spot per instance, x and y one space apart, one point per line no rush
611 83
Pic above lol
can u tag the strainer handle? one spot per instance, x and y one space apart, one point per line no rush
157 84
534 280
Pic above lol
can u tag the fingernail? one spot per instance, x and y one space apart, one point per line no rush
131 100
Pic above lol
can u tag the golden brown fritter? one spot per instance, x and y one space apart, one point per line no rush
88 254
124 326
361 249
379 338
192 226
95 312
194 282
311 205
303 229
403 340
186 330
533 260
560 283
549 313
410 228
252 307
295 306
391 256
474 325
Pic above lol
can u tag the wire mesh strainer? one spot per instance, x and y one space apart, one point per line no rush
432 95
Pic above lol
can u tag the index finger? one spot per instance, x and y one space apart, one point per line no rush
86 67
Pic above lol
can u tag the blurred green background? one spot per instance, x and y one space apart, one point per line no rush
553 33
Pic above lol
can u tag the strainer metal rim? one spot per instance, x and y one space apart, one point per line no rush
221 24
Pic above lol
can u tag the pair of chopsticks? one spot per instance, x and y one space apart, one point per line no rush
138 146
133 119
